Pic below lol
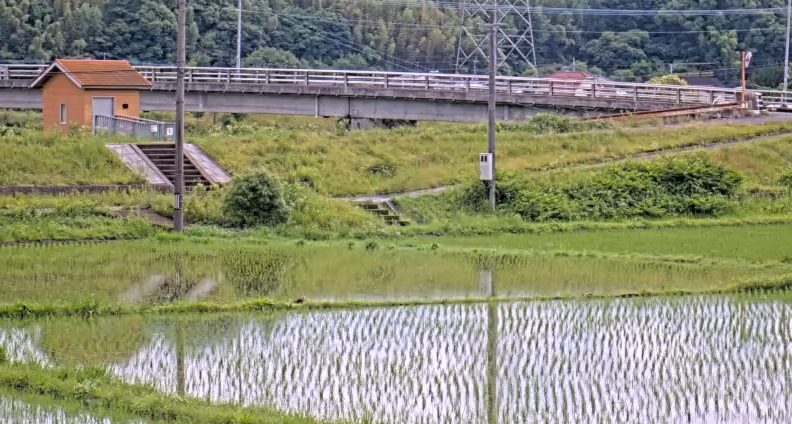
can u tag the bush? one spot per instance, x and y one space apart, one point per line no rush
668 80
543 123
686 186
255 199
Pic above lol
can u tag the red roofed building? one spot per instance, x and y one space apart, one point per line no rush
75 92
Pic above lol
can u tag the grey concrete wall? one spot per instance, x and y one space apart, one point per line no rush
20 98
330 106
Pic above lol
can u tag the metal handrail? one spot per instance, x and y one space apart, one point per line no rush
133 127
433 82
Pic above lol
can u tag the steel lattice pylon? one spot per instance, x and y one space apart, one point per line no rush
515 34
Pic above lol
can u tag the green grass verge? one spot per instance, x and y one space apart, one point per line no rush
746 242
312 152
96 391
383 161
34 157
70 228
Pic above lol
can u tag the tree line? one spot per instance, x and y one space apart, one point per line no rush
419 35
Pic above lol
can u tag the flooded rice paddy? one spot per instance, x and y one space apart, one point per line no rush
15 411
696 359
149 273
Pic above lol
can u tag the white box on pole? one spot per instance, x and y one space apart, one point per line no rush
485 166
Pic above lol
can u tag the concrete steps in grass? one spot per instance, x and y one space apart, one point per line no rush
157 163
385 210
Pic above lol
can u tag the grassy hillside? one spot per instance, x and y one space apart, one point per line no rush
33 157
313 152
382 161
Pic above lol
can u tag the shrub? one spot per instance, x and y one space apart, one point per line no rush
255 199
692 186
668 80
543 123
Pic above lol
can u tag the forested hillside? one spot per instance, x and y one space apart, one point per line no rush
400 34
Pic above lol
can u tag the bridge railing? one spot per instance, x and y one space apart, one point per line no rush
17 71
774 99
517 86
133 127
428 82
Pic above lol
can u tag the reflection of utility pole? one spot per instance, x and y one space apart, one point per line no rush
180 383
487 283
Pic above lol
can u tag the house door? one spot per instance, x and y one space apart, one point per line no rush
103 106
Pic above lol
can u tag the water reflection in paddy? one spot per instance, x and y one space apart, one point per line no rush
693 359
15 411
147 274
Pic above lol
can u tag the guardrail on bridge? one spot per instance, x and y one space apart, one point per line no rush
435 82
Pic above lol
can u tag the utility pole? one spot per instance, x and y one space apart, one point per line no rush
493 70
743 59
786 51
239 37
181 62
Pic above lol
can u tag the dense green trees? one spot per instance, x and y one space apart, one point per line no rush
407 34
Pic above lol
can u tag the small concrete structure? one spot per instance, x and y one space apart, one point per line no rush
76 92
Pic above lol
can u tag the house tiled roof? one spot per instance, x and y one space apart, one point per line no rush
96 74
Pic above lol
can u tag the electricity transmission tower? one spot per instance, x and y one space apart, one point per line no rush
515 34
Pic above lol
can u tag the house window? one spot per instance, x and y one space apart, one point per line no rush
63 113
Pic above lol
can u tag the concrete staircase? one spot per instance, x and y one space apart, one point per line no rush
157 163
163 156
386 211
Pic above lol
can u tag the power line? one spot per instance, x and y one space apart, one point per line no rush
352 45
367 23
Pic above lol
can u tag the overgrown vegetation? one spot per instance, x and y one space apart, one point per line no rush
679 186
312 153
95 390
34 157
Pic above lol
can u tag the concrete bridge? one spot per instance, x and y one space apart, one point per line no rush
382 95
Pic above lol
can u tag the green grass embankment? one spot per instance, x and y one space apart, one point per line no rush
309 151
94 390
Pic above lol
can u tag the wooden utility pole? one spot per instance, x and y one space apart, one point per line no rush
181 63
493 70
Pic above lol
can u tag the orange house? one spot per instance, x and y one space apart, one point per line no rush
75 92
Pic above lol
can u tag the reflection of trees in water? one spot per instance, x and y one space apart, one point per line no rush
256 273
184 276
14 411
93 342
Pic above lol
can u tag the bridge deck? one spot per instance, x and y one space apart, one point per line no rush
369 94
